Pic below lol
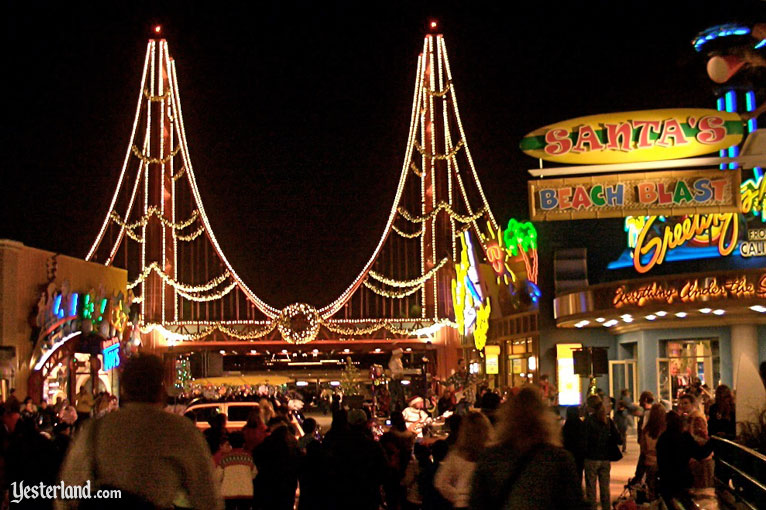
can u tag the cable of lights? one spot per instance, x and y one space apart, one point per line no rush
106 223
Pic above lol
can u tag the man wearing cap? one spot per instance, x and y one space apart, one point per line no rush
415 416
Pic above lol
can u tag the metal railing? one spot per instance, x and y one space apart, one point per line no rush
740 474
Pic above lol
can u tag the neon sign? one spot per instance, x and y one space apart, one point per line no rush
683 231
466 288
482 325
635 136
689 291
755 246
653 239
110 350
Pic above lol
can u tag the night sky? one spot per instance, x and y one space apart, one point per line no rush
297 113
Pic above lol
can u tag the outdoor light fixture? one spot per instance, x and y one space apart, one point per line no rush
377 350
706 310
758 308
681 315
661 313
609 324
651 317
222 352
405 382
408 349
532 363
253 352
301 383
337 383
346 351
719 312
628 319
284 351
600 320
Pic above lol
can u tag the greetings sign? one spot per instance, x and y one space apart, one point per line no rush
637 194
628 137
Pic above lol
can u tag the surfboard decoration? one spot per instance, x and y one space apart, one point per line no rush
629 137
751 393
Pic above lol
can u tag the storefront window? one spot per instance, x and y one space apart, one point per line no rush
686 360
519 352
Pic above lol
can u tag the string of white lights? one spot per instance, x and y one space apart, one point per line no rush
191 237
154 211
463 137
179 174
405 234
154 266
107 221
391 293
416 170
150 160
156 99
266 309
211 297
333 307
441 206
409 283
433 155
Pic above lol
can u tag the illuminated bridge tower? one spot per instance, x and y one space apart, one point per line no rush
187 297
405 291
180 283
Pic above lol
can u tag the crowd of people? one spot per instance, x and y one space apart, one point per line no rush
493 453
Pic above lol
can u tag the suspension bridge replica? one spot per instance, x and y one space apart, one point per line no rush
444 272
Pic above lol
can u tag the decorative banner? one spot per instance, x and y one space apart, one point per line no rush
670 193
629 137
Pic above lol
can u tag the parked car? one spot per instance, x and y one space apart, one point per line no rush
236 414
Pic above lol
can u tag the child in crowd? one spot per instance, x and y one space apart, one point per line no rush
235 471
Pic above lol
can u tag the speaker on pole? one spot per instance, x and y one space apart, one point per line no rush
581 360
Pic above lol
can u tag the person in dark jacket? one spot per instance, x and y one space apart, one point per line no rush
277 461
528 462
358 460
675 448
722 421
574 438
599 431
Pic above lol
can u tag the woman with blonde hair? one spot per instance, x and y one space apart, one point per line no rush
453 477
527 468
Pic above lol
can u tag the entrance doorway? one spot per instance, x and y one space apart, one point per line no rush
622 375
684 361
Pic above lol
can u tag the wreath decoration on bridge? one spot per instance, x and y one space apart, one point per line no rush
298 323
